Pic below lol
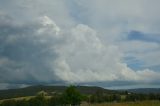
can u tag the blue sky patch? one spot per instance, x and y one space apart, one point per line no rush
137 35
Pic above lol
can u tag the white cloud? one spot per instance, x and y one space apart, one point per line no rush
70 52
146 52
81 57
84 58
113 17
136 47
48 25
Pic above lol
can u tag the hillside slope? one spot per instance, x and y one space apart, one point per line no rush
33 90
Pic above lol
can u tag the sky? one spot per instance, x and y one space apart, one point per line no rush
109 43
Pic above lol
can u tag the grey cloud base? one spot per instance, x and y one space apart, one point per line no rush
42 53
104 51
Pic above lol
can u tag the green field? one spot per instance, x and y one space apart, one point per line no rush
143 103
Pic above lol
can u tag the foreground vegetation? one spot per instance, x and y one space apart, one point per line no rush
71 96
50 90
140 103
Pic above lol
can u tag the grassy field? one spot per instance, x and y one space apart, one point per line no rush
23 98
143 103
20 98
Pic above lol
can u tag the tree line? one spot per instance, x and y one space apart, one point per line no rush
72 97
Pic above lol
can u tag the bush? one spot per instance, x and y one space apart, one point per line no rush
9 103
22 103
39 100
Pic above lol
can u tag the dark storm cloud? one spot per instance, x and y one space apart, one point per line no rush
34 50
24 57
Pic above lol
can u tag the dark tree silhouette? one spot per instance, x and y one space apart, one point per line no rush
71 96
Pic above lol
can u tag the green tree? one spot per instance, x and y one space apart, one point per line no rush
71 96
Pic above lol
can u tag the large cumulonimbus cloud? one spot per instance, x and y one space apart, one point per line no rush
59 42
41 52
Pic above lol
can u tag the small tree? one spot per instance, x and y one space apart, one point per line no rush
71 96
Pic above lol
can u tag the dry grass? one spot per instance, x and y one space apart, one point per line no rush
19 98
23 98
144 103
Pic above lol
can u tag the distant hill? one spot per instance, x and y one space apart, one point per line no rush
33 90
145 90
